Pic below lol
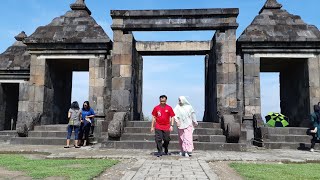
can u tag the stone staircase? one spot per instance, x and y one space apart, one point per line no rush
46 135
285 138
5 136
207 136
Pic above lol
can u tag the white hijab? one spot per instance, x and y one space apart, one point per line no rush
184 113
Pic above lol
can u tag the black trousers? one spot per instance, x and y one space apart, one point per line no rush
314 140
160 136
84 130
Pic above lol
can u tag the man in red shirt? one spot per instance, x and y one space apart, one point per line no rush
162 124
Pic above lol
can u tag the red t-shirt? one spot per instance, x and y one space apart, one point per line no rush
162 116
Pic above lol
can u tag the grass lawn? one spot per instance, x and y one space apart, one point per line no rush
277 171
71 168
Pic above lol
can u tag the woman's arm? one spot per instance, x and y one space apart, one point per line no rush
69 115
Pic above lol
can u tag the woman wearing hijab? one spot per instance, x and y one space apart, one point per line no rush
186 119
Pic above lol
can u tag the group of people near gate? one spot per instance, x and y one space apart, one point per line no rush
81 121
163 120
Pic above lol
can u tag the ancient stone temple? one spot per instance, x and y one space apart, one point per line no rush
36 75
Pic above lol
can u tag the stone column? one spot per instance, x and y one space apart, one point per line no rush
97 83
210 114
314 81
226 71
122 79
251 72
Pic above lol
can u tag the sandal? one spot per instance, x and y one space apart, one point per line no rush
77 146
67 147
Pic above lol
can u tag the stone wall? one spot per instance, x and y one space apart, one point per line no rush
227 74
251 85
314 80
122 76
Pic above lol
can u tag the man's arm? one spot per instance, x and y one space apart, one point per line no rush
152 124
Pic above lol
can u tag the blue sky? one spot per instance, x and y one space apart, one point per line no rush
174 76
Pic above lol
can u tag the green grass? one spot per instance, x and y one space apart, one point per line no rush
263 171
73 169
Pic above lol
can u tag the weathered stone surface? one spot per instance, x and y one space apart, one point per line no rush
116 126
120 100
76 26
274 24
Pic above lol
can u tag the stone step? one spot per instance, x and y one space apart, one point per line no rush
8 133
284 131
59 127
59 134
174 137
197 131
5 138
41 140
288 145
174 145
148 124
288 138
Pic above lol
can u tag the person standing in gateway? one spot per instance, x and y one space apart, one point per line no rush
162 124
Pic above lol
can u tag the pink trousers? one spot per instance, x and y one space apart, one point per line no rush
186 139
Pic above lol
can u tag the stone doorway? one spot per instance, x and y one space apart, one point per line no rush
59 83
9 105
294 86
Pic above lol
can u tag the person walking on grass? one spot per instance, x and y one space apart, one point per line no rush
74 116
315 120
87 115
186 120
162 125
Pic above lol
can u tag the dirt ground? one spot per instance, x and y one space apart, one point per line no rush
222 169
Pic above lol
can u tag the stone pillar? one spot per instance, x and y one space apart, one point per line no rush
251 84
122 79
97 82
314 81
226 71
210 114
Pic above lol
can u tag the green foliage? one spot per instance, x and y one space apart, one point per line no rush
73 169
264 171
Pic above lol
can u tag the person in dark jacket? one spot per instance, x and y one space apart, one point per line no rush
315 120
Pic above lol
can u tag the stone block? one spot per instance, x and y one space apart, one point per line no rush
92 73
222 68
101 72
226 90
125 70
233 102
248 80
39 107
99 91
222 78
222 102
249 90
116 126
39 80
314 92
232 77
125 59
254 101
248 59
40 70
39 93
249 70
23 106
23 92
99 82
120 100
121 83
257 87
251 110
115 70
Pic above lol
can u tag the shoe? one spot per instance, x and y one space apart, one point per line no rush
311 150
67 147
186 154
180 154
189 153
77 146
159 154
